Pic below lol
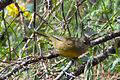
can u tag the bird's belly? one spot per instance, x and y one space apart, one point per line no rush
69 53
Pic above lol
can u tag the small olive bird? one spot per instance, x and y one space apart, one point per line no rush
70 47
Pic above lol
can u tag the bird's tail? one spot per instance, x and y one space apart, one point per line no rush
51 38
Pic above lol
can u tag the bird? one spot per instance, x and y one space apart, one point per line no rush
71 47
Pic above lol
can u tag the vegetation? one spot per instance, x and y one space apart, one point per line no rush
26 55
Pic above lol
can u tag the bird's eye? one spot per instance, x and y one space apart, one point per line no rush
85 42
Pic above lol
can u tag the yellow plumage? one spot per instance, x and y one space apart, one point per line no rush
69 46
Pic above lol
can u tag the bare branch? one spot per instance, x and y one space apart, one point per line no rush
4 3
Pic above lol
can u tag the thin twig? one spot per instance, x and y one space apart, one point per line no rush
64 70
65 25
25 39
34 24
22 64
96 60
7 36
24 32
4 3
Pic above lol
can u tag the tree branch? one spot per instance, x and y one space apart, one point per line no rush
4 3
105 38
97 59
80 69
24 63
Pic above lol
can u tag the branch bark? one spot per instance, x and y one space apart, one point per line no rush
96 60
101 57
4 3
24 63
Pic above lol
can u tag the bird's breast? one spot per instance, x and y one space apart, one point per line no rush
68 53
